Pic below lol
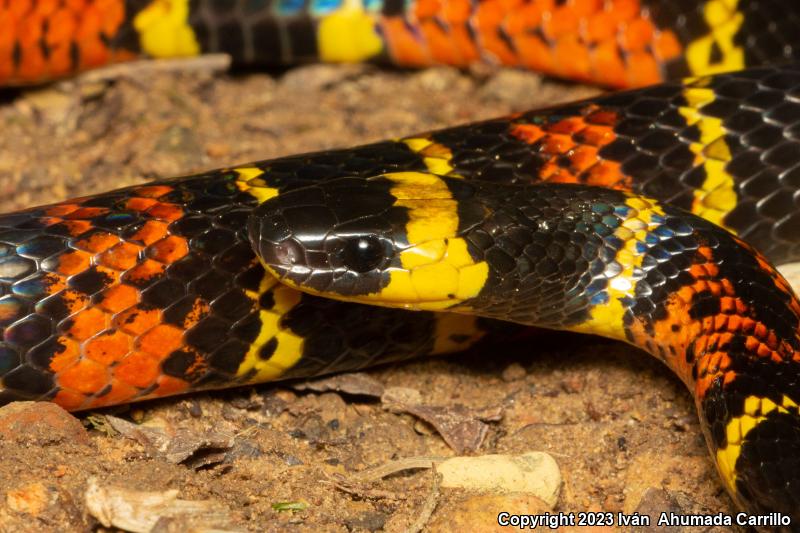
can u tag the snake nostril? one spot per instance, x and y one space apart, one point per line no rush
288 253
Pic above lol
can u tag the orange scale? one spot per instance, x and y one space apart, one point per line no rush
86 212
567 126
139 369
764 351
609 174
535 12
121 257
68 354
19 8
76 5
596 136
727 305
144 271
714 361
573 58
153 191
623 10
60 59
166 211
73 262
161 340
489 14
557 174
32 64
150 232
61 27
562 22
457 12
168 250
751 343
113 14
725 340
643 69
54 283
93 52
140 204
137 321
118 297
608 66
108 347
600 28
748 325
462 40
728 378
439 44
50 221
557 144
510 5
69 400
86 376
77 227
87 323
98 242
529 133
403 45
30 31
426 8
597 116
638 34
583 157
112 276
734 323
666 46
46 7
772 340
119 392
585 8
75 301
168 385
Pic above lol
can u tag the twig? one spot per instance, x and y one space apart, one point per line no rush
430 504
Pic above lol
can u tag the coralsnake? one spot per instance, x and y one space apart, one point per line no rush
162 288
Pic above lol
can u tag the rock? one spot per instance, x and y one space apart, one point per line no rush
513 372
534 473
31 499
479 513
41 424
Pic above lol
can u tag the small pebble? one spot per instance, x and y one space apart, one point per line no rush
513 372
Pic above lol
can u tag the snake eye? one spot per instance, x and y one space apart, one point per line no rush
362 254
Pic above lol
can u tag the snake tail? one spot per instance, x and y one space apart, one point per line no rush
620 43
577 258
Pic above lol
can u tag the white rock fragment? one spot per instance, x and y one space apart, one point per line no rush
535 473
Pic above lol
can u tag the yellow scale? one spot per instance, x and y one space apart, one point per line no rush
755 411
346 35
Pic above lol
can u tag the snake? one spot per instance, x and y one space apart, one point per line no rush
652 215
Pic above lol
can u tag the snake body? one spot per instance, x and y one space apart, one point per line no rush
161 288
620 43
125 295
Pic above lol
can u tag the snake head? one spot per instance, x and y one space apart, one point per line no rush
390 239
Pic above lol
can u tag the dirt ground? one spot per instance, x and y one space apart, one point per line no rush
617 422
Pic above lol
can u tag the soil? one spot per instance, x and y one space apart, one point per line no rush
617 422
